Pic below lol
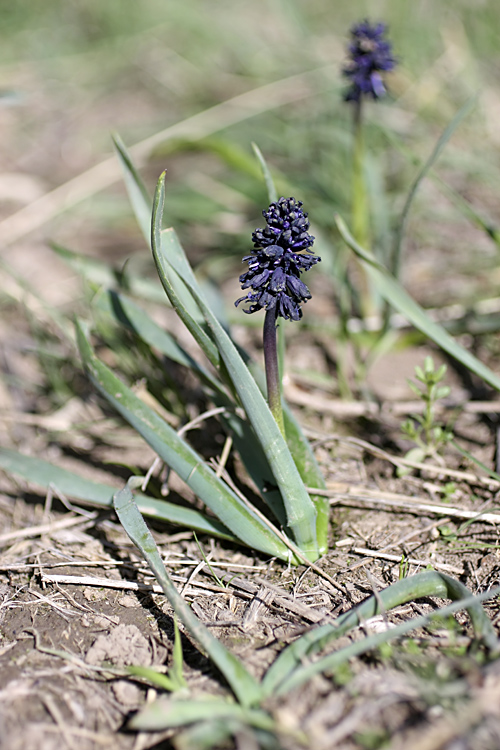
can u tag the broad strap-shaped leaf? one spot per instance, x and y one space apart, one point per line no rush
300 511
310 473
238 517
172 265
179 295
46 475
304 459
129 314
395 294
244 686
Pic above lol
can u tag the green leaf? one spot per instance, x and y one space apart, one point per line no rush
240 518
153 677
127 313
414 387
244 686
167 713
443 391
209 734
310 473
394 293
133 317
177 671
46 475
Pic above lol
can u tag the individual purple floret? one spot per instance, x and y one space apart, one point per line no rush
370 54
278 260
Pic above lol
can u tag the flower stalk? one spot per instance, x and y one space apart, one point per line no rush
273 378
369 57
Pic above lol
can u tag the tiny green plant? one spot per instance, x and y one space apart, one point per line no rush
174 681
404 567
205 559
429 435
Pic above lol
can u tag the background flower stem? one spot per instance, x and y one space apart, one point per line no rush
359 197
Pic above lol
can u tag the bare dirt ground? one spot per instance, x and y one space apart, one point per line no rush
78 604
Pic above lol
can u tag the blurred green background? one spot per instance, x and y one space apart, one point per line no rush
73 72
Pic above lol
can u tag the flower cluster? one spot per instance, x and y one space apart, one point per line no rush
369 55
277 262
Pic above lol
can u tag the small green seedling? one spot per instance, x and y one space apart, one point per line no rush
428 434
404 567
174 680
216 578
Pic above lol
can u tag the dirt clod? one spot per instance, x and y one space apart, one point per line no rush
125 645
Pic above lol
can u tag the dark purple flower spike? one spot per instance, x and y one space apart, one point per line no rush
281 253
370 55
278 260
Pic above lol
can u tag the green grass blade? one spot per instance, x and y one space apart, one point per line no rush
428 583
331 662
240 519
393 292
246 689
177 671
45 474
424 170
468 210
174 680
209 734
268 178
139 197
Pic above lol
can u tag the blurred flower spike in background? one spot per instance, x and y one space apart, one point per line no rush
370 54
277 262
